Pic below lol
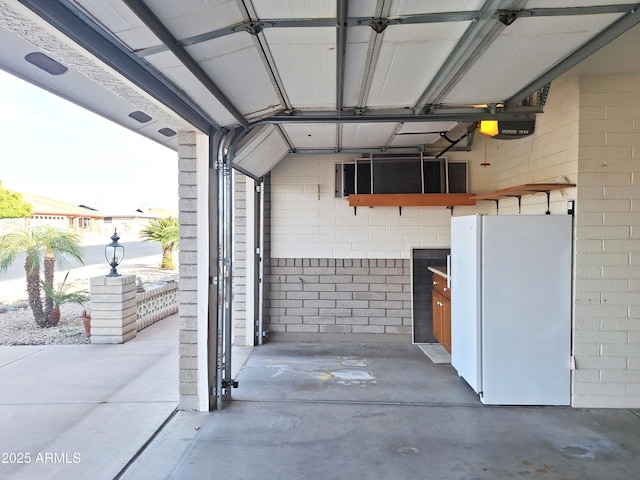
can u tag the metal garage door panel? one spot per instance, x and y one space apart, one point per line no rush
525 49
263 148
193 17
366 135
410 57
309 135
306 60
166 63
294 9
237 69
407 7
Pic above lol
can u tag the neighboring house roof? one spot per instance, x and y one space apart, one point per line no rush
147 213
161 213
48 206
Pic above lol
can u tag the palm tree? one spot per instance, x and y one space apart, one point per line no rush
165 231
42 246
60 294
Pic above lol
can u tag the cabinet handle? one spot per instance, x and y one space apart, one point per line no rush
435 283
445 289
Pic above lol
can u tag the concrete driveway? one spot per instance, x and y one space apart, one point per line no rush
85 411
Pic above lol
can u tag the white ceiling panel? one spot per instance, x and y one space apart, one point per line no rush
233 63
186 18
356 63
120 20
407 7
426 127
524 50
362 8
366 135
576 3
294 8
263 148
180 75
306 60
311 135
410 57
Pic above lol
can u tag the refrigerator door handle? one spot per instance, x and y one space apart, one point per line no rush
449 271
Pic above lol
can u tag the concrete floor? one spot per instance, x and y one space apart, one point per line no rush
380 411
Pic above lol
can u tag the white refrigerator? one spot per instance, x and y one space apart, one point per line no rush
511 307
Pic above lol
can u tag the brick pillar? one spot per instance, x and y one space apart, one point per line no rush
113 309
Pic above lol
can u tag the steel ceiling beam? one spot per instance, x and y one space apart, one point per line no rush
154 24
264 52
629 20
425 18
429 150
79 29
351 117
341 51
373 53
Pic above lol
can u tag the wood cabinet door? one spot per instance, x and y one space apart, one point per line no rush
437 315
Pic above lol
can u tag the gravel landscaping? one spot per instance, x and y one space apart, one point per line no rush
17 326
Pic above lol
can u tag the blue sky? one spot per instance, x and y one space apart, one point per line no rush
53 148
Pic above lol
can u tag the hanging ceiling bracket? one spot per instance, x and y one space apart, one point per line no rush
379 24
507 17
253 28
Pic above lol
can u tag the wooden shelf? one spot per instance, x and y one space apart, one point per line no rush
520 190
525 189
411 200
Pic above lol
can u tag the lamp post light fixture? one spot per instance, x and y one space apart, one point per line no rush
114 253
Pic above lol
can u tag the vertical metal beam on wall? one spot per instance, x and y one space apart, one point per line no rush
253 253
261 217
213 320
228 279
223 278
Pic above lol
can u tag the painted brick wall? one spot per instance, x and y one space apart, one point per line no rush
187 296
607 270
338 300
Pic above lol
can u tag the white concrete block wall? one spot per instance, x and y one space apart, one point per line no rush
187 296
607 270
239 259
309 222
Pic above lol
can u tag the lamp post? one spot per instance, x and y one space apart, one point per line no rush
114 253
